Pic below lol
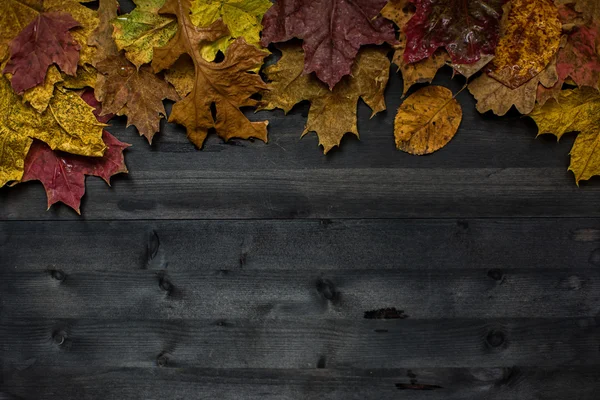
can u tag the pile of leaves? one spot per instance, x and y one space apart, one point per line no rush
69 67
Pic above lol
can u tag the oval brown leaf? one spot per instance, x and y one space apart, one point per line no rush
427 120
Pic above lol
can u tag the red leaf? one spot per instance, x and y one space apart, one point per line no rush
63 174
579 58
45 41
467 29
89 97
332 30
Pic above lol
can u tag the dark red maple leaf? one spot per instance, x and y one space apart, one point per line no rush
332 31
45 41
466 28
579 58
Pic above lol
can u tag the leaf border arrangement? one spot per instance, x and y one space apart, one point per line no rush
68 68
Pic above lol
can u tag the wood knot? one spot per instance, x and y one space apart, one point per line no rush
59 337
327 289
58 275
164 283
495 339
496 274
322 363
162 360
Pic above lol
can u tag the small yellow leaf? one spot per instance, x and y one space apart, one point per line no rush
427 120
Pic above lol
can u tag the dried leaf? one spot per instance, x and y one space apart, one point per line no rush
466 29
530 39
589 8
576 110
332 113
86 77
15 15
332 31
39 97
63 175
139 94
427 120
492 95
242 17
182 76
20 124
45 41
142 30
227 85
102 38
579 58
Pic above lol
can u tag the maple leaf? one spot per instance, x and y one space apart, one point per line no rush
427 120
142 30
466 29
589 8
102 38
20 124
45 41
243 18
63 174
332 113
575 110
39 97
332 32
494 96
15 15
531 38
227 85
125 90
579 58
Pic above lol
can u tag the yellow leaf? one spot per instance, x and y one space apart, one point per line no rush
86 77
39 97
20 124
576 110
181 76
332 113
427 120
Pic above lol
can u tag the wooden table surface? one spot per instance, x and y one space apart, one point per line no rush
248 271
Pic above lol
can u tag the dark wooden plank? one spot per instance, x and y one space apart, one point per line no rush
581 383
291 343
317 294
420 244
494 167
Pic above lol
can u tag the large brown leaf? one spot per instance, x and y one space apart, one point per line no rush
227 85
332 31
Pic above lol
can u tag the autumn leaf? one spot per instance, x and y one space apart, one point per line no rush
63 175
85 77
140 31
332 113
243 19
39 97
494 96
20 124
466 29
45 41
576 110
15 15
102 38
427 120
531 35
589 8
139 94
332 32
579 58
226 86
182 76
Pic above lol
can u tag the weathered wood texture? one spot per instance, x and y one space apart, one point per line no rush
256 271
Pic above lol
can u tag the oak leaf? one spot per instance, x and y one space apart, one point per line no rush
332 113
466 29
63 175
20 124
575 110
138 94
531 34
494 96
143 29
427 120
226 86
243 19
44 42
332 32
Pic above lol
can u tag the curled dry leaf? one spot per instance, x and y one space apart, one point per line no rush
20 124
139 94
466 29
142 30
332 113
243 19
575 110
494 96
427 120
44 42
332 32
226 86
531 35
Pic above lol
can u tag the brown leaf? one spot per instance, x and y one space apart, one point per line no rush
427 120
102 37
139 94
227 85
